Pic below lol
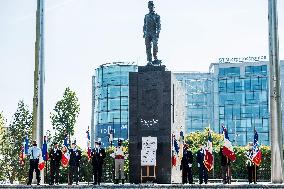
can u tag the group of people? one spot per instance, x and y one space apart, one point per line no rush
188 159
98 155
74 156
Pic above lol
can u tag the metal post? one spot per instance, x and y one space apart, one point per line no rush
275 96
39 77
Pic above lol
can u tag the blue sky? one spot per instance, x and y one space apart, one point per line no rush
82 34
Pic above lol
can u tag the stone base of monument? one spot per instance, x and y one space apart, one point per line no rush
156 126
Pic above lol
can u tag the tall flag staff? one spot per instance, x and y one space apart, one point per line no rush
256 157
208 158
88 143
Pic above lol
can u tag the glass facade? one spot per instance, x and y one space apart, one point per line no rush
243 101
199 97
110 100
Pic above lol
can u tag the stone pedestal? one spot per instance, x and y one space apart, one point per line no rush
156 109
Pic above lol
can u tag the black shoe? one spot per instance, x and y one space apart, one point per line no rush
191 183
116 181
38 183
29 183
94 183
51 183
99 183
122 181
57 183
200 182
77 183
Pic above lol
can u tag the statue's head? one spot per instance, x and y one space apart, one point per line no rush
151 6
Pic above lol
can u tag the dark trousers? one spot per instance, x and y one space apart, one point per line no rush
187 175
97 171
34 167
54 172
203 174
73 174
226 174
252 176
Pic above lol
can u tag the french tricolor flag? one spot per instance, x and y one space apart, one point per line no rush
88 143
228 148
256 157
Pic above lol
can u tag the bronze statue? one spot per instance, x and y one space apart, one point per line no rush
151 30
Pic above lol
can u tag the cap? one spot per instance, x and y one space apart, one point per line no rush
150 3
98 142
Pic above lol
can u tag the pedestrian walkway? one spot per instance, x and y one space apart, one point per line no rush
234 185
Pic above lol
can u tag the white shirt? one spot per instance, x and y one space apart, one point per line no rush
34 152
119 151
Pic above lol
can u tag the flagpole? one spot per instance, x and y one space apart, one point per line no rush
275 96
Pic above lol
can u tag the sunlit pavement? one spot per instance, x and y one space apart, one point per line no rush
127 185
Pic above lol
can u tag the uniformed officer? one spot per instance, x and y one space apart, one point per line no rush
74 163
55 156
98 155
226 167
35 153
250 165
119 156
151 31
186 164
203 172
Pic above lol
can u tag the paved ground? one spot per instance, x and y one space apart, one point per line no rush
153 186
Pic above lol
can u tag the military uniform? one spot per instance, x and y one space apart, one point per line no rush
74 163
226 169
151 29
34 153
203 172
186 164
98 154
119 163
55 156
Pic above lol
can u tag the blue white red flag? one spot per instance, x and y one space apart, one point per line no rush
228 148
88 143
256 157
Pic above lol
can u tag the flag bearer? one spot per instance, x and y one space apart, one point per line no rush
34 153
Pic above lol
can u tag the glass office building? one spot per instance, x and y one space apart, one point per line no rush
241 100
110 101
198 87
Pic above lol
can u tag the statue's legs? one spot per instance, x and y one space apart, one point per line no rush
155 47
148 48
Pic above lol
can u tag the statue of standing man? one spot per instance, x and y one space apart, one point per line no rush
151 30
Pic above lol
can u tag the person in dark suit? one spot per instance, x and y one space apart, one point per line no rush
203 172
226 167
98 154
55 156
74 163
186 165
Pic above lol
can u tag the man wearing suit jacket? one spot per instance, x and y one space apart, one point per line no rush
203 173
186 165
55 156
98 155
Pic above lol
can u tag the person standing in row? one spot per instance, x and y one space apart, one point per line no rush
203 172
186 165
250 165
74 163
226 169
119 156
34 153
55 156
98 154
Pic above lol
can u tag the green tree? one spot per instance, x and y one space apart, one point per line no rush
2 145
64 116
13 139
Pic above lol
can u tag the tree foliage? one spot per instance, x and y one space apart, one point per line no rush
13 139
64 116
